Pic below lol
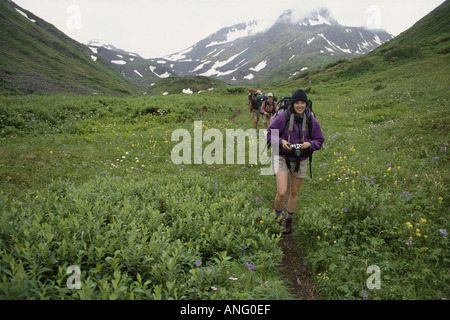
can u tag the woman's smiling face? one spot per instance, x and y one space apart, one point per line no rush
299 107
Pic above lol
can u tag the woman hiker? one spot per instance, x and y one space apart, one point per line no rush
286 161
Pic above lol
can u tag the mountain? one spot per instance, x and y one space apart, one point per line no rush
297 42
142 72
35 57
250 52
420 53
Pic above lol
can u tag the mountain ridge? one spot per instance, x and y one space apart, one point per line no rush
250 52
36 57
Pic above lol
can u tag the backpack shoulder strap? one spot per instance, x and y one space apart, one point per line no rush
291 125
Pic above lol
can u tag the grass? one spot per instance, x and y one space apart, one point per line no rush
90 182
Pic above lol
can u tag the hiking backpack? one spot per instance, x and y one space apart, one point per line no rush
263 98
282 107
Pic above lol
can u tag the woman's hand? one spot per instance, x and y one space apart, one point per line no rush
305 145
285 145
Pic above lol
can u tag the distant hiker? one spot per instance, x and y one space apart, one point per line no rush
268 108
292 160
253 106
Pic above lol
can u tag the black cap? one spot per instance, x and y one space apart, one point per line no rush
299 95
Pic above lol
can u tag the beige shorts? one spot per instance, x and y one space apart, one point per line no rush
255 113
266 118
282 167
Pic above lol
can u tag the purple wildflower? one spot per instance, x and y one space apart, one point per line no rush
250 266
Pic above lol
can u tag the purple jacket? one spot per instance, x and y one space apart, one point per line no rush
316 139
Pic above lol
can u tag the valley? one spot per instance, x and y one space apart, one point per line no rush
89 179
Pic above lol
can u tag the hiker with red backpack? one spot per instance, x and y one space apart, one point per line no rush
299 135
268 108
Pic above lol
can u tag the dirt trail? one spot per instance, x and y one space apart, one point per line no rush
293 268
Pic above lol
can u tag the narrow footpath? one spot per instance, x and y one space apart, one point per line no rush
293 267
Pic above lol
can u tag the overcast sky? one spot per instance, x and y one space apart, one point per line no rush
155 28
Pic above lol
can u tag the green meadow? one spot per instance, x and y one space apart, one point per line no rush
92 205
89 182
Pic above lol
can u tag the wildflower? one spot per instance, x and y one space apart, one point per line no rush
443 232
231 278
409 242
422 220
198 262
405 195
409 225
250 266
214 288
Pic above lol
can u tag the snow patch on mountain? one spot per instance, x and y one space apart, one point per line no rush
162 76
179 55
120 62
24 14
316 22
219 64
240 31
260 66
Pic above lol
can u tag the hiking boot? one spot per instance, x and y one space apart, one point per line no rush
279 219
288 226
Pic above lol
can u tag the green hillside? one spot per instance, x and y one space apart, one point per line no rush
37 57
421 51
